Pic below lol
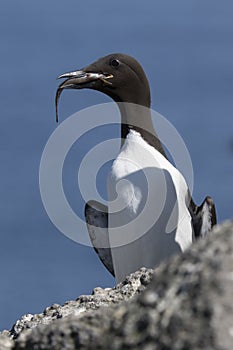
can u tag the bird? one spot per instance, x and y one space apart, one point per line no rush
150 214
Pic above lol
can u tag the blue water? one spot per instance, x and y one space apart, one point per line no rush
186 49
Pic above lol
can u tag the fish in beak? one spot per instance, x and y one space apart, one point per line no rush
79 79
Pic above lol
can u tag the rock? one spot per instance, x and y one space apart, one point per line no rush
100 297
6 343
187 306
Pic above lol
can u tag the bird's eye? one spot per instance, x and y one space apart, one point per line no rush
114 63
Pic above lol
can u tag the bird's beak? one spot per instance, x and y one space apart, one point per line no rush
79 79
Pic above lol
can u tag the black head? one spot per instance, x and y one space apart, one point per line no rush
117 75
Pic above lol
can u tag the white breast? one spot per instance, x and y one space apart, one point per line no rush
148 217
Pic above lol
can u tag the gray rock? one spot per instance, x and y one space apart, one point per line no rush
6 343
187 306
100 297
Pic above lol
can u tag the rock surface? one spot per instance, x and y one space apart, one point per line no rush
188 305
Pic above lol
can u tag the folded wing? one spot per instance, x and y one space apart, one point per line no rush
97 224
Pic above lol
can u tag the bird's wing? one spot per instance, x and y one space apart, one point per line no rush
97 224
203 217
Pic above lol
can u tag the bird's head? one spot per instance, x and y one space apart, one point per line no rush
117 75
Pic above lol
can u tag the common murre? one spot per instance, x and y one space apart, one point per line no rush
118 235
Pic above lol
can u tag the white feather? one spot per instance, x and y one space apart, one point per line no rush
132 207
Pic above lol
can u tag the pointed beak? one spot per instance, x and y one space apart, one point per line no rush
75 74
79 80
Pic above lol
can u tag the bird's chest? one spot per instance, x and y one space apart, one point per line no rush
147 194
137 171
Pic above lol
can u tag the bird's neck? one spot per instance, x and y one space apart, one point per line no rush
138 118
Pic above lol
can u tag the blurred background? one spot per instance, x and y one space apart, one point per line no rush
186 49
